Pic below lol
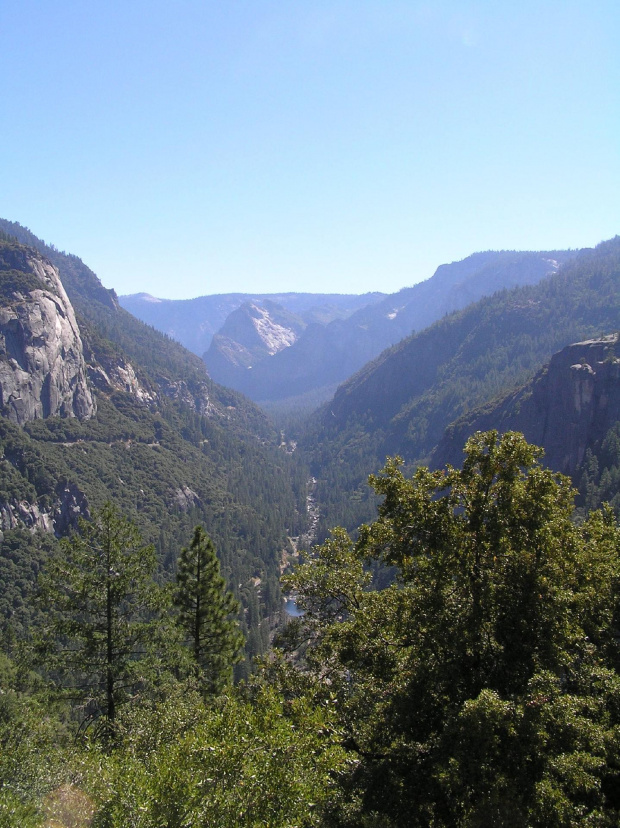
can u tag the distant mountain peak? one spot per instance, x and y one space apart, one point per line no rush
144 297
274 336
323 355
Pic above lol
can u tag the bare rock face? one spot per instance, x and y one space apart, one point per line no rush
251 334
195 395
185 499
16 513
576 402
70 505
121 376
42 368
569 406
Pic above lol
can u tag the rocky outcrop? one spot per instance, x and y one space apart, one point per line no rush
70 505
567 408
194 395
185 499
42 367
21 513
121 376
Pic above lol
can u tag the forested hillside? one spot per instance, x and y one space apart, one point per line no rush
166 444
568 407
402 402
478 686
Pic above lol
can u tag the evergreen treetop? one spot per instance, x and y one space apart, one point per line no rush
206 613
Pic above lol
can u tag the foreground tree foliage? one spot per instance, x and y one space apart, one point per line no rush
481 687
33 745
103 612
206 611
248 757
245 759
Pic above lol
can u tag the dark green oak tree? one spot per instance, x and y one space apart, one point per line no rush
206 614
481 687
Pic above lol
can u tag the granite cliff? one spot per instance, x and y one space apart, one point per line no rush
567 408
252 333
42 366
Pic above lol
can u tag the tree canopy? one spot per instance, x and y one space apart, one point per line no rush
480 687
457 665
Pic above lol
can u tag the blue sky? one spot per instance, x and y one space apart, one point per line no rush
185 148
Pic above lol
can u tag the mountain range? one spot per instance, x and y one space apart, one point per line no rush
419 637
276 351
193 322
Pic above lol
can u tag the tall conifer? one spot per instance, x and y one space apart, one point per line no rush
206 613
103 611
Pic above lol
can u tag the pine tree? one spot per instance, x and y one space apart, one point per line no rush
103 608
206 613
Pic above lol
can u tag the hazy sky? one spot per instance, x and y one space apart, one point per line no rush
189 147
